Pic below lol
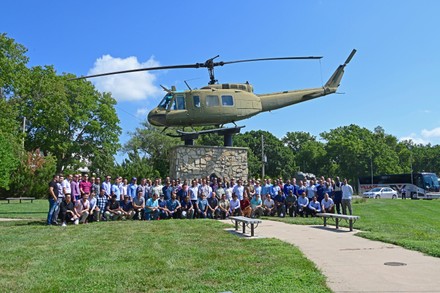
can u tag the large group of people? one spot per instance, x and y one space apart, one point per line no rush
80 199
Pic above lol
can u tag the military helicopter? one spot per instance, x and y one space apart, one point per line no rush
220 104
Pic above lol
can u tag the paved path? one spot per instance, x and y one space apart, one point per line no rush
355 264
9 219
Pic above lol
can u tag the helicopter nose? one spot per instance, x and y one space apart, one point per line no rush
156 118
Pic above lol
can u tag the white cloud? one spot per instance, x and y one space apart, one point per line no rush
416 140
128 86
142 112
431 133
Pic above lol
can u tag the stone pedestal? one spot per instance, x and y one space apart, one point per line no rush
188 162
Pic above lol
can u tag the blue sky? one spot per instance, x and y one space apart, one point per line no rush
391 82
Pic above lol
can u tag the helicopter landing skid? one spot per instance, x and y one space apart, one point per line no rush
227 133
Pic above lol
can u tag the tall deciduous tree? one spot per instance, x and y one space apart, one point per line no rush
13 68
280 159
69 119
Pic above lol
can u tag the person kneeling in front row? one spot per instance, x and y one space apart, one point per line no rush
327 204
67 210
314 207
113 209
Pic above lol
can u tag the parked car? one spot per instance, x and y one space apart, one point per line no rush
381 192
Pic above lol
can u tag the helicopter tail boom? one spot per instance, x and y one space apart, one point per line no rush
278 100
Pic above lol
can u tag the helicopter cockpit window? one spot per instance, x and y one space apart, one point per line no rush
165 101
227 101
178 103
212 101
196 100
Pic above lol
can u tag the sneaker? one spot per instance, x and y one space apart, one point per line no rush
76 222
64 224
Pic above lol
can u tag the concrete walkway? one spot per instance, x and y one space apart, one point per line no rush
355 264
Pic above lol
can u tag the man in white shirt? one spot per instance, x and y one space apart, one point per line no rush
239 189
347 192
234 206
327 204
269 206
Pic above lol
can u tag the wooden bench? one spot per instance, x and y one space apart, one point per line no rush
20 199
245 221
337 217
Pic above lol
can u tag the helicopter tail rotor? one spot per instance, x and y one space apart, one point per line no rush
334 81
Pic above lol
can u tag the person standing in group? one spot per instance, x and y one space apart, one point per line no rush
403 192
53 196
347 193
107 186
74 185
115 189
337 195
85 186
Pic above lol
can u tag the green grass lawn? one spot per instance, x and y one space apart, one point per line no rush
160 256
413 224
25 210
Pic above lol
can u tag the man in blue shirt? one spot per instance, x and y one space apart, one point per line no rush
152 208
265 189
288 187
280 204
213 209
314 207
167 190
202 206
132 188
116 191
107 186
173 206
320 190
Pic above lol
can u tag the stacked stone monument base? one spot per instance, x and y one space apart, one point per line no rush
188 162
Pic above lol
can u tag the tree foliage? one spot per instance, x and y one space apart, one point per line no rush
152 144
13 68
70 120
33 174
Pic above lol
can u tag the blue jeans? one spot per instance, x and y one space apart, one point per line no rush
149 215
52 208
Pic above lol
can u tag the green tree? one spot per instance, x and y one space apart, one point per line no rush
296 140
280 158
354 150
69 119
13 68
33 174
151 143
136 165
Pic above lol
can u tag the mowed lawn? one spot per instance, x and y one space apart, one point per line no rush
129 256
413 224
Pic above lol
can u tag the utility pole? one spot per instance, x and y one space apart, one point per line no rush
371 164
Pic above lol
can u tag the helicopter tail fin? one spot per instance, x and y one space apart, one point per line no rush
335 79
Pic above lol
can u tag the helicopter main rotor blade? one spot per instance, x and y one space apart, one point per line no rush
197 65
268 59
210 64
